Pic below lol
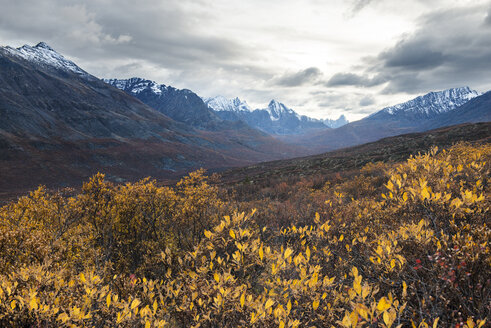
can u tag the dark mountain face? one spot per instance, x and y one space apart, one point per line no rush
60 125
42 104
180 105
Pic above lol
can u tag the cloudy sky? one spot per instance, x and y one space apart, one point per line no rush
322 58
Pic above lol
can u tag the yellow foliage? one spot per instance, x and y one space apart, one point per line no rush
142 255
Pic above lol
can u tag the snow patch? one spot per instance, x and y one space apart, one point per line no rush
137 85
222 104
43 54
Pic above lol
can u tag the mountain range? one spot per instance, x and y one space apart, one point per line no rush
430 111
60 124
276 119
207 113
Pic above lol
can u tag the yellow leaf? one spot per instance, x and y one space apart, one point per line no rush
404 289
307 253
425 194
12 304
261 252
315 304
155 306
134 304
392 264
346 321
242 300
82 278
33 304
147 324
383 304
288 252
288 307
232 233
387 320
341 238
253 317
208 234
404 196
269 303
435 323
108 299
362 310
365 291
357 285
216 277
390 185
282 324
63 317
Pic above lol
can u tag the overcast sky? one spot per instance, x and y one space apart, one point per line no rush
322 58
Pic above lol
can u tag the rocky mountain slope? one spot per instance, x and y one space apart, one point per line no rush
180 105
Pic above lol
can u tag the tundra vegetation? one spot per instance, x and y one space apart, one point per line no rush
392 245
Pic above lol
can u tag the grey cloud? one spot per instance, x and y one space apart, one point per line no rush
450 48
170 34
346 79
358 5
308 75
414 54
367 101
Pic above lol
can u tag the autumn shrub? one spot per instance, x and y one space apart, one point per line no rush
396 245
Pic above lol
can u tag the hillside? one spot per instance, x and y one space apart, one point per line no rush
392 149
61 125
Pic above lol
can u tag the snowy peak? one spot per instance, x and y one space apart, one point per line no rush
433 103
276 110
136 85
222 104
44 45
336 123
42 54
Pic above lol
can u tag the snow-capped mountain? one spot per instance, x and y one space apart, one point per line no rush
277 118
180 105
336 123
222 104
42 54
426 112
431 104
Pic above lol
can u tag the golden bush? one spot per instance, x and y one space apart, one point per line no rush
392 246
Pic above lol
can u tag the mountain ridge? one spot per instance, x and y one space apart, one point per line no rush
275 119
